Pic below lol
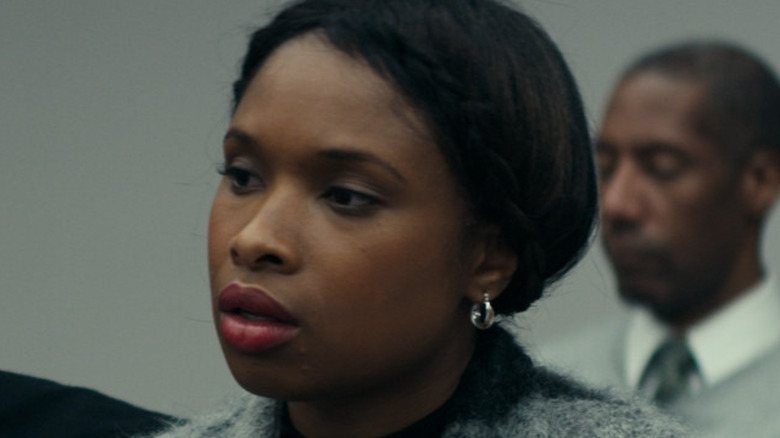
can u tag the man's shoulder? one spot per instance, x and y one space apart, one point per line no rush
759 382
745 404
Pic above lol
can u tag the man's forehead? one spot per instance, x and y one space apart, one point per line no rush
656 95
650 109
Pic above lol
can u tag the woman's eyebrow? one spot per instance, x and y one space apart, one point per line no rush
240 136
347 154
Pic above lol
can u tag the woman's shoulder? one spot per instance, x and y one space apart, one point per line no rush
505 395
566 417
557 406
502 395
567 408
246 416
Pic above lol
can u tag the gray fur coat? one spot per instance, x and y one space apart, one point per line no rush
501 395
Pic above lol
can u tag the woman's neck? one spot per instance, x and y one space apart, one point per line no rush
388 408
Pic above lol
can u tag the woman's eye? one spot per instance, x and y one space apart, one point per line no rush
241 180
348 199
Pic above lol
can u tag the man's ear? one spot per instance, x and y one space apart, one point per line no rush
494 264
761 182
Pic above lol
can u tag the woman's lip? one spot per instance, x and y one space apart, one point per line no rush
251 321
237 299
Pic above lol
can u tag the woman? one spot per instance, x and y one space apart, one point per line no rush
397 172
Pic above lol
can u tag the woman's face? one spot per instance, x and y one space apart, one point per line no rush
337 253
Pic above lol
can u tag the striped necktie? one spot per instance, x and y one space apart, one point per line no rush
669 371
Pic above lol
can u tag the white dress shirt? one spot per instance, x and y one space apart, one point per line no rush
722 344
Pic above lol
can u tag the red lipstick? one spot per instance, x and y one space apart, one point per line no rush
251 321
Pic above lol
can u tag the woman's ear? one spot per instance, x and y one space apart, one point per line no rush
494 264
761 182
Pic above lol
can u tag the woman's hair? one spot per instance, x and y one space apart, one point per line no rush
500 101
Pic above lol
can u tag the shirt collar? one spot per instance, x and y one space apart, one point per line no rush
722 344
732 338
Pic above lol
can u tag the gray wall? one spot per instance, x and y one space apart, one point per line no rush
112 114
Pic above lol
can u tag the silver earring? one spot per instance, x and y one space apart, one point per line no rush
482 314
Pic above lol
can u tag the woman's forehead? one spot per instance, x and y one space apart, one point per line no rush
310 67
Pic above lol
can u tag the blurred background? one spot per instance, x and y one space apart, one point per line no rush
111 124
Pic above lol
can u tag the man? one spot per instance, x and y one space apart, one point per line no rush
689 162
37 408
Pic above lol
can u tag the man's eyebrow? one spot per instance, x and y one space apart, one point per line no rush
347 154
659 146
642 148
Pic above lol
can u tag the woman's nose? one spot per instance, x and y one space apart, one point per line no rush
268 239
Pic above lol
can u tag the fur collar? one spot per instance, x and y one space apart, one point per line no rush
502 395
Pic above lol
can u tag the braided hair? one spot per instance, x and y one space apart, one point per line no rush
501 102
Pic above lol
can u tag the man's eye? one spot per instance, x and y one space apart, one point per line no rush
664 167
605 164
241 180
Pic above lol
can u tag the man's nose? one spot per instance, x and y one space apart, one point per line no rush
622 196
